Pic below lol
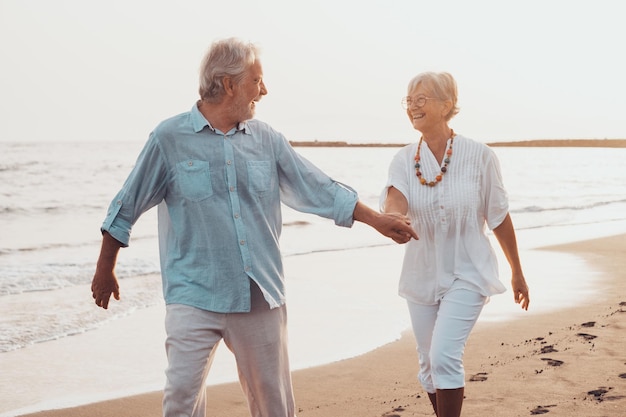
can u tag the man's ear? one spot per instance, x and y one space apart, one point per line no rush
229 86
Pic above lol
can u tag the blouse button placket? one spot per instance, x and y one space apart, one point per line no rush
442 210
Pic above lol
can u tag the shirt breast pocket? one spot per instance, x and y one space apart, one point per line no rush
259 176
194 179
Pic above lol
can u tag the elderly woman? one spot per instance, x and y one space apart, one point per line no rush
451 188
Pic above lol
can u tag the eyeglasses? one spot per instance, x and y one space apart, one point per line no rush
408 101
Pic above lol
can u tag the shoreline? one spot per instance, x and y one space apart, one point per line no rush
571 362
555 143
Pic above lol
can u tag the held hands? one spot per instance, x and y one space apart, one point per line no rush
520 291
102 286
396 226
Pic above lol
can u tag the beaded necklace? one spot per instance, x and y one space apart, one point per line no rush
444 168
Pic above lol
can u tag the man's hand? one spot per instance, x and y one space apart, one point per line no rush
102 286
104 282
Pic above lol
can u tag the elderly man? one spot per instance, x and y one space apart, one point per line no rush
218 178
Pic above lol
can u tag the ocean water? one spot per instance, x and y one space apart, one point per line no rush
53 198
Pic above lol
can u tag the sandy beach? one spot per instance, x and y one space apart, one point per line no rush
568 363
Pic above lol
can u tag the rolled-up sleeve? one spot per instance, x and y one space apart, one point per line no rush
144 188
117 226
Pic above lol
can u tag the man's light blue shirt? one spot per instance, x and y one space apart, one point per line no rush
219 208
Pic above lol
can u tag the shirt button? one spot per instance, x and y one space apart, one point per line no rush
190 163
232 188
229 162
119 202
236 215
242 242
247 268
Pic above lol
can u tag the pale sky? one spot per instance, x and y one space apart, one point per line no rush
335 70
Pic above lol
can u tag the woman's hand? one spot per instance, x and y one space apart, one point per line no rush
520 291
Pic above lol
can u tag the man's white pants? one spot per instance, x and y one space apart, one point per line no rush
259 342
441 331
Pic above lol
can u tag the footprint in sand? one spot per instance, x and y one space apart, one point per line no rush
589 324
553 362
586 336
479 377
598 394
541 409
548 349
393 412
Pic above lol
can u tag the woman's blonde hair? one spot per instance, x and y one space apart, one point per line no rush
439 84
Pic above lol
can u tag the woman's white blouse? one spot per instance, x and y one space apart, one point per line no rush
450 219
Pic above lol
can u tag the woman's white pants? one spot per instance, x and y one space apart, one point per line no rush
441 331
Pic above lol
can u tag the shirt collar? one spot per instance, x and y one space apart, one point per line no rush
199 122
